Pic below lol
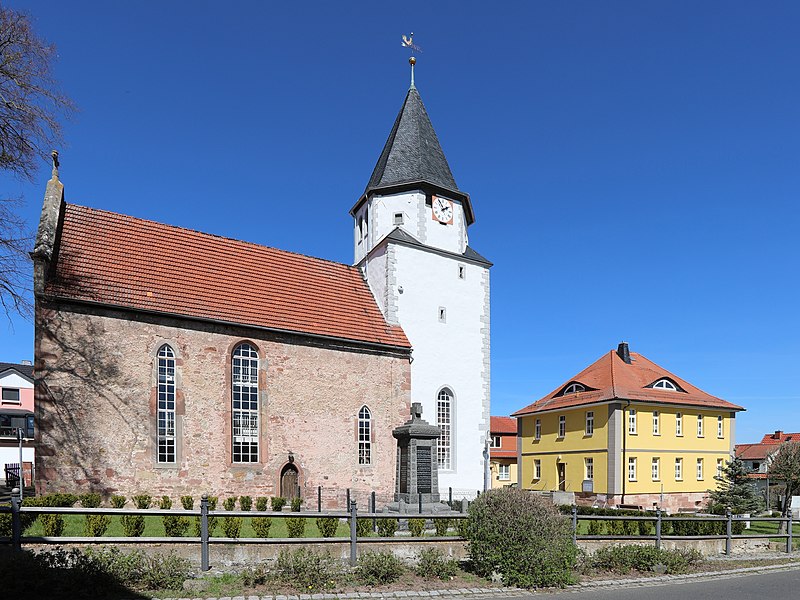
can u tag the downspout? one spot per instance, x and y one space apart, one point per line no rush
624 448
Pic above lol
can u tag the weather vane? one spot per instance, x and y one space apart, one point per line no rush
408 42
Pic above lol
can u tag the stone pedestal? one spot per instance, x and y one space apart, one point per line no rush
417 467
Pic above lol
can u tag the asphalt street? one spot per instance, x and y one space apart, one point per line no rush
776 584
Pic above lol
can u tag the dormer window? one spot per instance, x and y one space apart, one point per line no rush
574 388
665 384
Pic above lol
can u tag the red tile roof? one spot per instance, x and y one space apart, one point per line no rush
135 264
779 437
503 425
753 451
611 378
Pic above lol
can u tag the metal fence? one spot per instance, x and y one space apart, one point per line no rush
659 518
205 540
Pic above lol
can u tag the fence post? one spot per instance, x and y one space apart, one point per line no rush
419 502
789 531
450 496
353 533
319 498
347 503
658 529
16 520
574 524
728 529
374 520
204 533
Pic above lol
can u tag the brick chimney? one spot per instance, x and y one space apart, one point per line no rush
777 435
624 353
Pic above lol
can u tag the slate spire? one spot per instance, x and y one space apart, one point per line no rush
412 152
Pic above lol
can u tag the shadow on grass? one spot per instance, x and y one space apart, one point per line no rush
58 576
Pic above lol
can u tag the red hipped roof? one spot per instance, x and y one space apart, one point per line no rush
611 378
136 264
503 425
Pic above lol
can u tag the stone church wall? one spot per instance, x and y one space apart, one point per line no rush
96 409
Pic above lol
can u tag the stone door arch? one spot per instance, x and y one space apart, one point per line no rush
289 482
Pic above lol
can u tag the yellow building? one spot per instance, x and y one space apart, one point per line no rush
626 431
503 451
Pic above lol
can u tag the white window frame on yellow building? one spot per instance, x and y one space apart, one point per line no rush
700 426
589 423
720 427
699 469
562 426
720 466
655 469
679 469
656 423
588 468
632 421
631 468
537 469
679 424
537 429
503 472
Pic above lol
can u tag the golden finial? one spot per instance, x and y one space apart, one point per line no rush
408 42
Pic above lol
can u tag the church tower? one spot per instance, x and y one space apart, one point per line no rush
411 243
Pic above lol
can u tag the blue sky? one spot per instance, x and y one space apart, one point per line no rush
633 165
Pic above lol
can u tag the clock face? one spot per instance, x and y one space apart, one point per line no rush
442 210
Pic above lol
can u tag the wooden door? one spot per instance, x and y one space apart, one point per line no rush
289 482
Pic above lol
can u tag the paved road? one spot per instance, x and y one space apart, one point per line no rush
777 585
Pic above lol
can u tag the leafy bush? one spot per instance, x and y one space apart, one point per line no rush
461 527
433 564
327 526
296 503
522 536
232 526
624 559
278 503
261 526
441 525
53 525
416 527
245 502
96 525
261 503
90 500
387 527
133 525
295 526
363 527
308 570
596 528
229 503
118 501
142 501
27 519
379 568
136 569
187 502
174 525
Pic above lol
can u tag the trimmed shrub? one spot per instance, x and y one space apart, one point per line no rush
142 501
90 500
327 526
187 502
232 526
278 503
229 503
379 568
441 525
133 525
245 502
295 526
522 536
95 525
308 570
296 504
262 503
174 525
363 527
416 527
387 527
118 501
261 526
53 525
596 528
433 564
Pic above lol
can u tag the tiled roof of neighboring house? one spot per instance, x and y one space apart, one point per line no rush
757 475
753 451
503 425
497 453
611 378
135 264
779 437
26 370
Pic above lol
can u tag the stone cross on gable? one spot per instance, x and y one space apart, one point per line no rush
416 410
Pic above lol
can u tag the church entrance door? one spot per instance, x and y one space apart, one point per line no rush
289 479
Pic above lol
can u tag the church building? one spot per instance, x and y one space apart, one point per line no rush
171 362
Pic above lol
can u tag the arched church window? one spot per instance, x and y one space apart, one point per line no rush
360 229
244 367
166 405
444 420
364 436
366 225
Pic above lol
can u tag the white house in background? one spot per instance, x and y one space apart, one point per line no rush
16 413
411 243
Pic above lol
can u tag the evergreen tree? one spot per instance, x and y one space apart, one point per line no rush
735 490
